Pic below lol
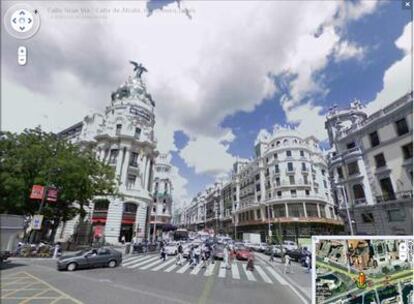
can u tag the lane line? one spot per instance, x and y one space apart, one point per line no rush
263 274
25 301
135 261
184 268
153 264
196 269
248 273
171 268
210 269
277 276
132 258
168 262
142 263
235 272
222 271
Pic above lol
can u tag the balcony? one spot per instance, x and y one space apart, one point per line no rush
402 195
290 171
133 164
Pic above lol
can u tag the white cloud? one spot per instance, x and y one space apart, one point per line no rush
309 119
347 50
397 78
207 155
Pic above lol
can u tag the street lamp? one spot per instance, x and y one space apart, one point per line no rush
345 197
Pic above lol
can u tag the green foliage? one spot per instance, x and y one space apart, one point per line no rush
37 157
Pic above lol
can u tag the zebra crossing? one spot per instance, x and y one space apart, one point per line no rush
237 271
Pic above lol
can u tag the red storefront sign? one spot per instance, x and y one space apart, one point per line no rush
52 194
37 192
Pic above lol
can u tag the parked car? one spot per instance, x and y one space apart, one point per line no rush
171 249
278 252
289 245
101 257
238 244
218 252
299 255
259 247
243 253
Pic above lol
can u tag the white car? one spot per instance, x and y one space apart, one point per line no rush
289 245
171 249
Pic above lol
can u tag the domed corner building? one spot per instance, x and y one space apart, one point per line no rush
123 138
286 186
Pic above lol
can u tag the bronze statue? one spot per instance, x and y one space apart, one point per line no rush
138 68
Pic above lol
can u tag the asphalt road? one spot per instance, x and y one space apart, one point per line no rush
136 285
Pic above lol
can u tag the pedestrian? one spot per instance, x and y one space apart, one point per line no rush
197 253
308 263
180 254
190 255
145 247
226 257
250 263
163 255
287 265
123 239
272 253
212 249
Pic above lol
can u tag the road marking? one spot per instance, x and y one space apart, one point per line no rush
137 259
209 270
263 274
170 268
152 264
222 271
235 271
142 263
277 276
184 268
132 258
248 273
196 269
34 296
168 262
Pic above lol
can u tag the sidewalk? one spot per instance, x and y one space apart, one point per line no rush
301 280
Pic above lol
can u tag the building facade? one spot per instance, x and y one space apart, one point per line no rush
371 167
123 138
162 205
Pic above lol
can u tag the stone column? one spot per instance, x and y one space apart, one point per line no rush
304 209
287 210
319 210
113 221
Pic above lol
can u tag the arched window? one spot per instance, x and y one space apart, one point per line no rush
359 193
101 204
285 142
278 143
130 207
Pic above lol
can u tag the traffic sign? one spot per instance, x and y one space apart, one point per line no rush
37 222
37 192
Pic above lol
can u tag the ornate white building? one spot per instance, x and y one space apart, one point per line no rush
123 138
286 188
372 167
161 208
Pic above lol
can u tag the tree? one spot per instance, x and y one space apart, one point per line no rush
37 157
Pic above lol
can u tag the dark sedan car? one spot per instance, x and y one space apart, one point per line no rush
101 257
218 252
299 255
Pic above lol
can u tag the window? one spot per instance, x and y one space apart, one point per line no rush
130 207
322 211
359 193
323 172
402 127
305 179
353 168
134 159
279 211
367 217
257 187
380 160
373 137
275 156
258 215
387 189
276 168
325 184
279 193
350 145
307 192
340 173
285 142
312 210
137 134
288 153
296 210
290 166
304 167
396 215
292 179
131 181
118 129
277 181
278 143
293 193
257 176
407 151
302 154
113 156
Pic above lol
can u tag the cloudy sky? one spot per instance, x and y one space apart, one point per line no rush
220 72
